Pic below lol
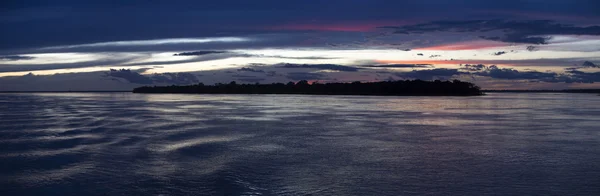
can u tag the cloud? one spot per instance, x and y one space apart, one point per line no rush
130 76
470 67
532 48
495 72
571 76
118 60
15 58
499 53
198 53
516 38
586 64
304 76
248 41
214 56
541 62
529 31
512 74
321 66
589 64
429 74
154 42
40 67
584 77
174 78
290 57
248 69
161 78
400 66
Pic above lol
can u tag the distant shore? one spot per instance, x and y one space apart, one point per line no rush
592 91
387 88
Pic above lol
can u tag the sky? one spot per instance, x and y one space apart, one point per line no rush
119 45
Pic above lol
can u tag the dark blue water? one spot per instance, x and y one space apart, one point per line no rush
132 144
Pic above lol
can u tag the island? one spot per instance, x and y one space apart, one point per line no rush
389 88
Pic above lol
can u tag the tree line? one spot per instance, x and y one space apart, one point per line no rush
398 88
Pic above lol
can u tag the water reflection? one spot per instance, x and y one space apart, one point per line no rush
122 143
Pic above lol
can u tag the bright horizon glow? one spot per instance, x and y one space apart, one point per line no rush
515 56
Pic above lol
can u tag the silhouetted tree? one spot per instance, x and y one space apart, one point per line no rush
406 87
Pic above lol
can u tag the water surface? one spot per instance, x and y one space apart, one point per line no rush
132 144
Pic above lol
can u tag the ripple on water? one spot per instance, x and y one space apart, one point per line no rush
131 144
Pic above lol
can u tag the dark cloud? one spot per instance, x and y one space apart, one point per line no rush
301 58
37 24
198 53
499 53
514 31
586 64
40 67
532 48
216 56
174 78
161 78
589 64
130 76
583 77
470 67
121 61
304 76
515 38
429 74
493 71
507 73
401 66
572 74
322 67
15 58
248 69
247 78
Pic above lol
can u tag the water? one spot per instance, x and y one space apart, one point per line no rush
133 144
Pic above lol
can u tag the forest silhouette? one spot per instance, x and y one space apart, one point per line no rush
392 88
